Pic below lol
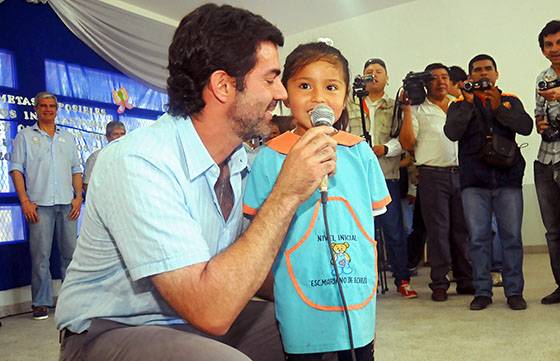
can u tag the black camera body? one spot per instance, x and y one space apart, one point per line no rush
482 84
545 85
552 133
359 85
414 85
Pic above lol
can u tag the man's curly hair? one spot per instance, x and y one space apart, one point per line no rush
208 39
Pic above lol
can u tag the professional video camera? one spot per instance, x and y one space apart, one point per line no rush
545 85
359 85
414 85
482 84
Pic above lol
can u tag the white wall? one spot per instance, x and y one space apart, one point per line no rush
414 34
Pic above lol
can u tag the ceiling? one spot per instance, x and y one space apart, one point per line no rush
291 16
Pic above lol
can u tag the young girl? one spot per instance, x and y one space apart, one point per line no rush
309 307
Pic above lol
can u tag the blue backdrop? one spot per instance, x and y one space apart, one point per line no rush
37 52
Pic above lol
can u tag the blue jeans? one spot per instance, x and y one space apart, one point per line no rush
395 243
496 247
407 216
41 235
507 205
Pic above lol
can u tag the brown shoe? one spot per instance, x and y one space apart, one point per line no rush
439 294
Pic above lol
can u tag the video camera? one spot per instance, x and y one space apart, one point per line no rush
545 85
552 133
414 85
482 84
359 85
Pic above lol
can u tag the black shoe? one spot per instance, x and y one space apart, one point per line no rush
40 312
465 290
439 294
516 303
480 303
552 298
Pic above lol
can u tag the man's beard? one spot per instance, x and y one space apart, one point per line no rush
247 123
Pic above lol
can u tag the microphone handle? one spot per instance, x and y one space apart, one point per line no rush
324 186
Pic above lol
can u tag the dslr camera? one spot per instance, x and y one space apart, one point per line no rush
482 84
414 85
545 85
359 85
552 133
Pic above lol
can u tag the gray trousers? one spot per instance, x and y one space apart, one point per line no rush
547 182
442 209
253 336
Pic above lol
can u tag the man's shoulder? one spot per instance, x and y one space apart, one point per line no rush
548 71
27 131
64 133
510 96
157 141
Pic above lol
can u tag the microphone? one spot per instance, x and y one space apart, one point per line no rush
322 114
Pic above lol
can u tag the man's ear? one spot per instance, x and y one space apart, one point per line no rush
221 85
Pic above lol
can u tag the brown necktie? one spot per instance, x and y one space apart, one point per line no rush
223 190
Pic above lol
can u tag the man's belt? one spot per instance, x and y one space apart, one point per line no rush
440 169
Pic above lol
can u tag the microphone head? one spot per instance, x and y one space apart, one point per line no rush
322 114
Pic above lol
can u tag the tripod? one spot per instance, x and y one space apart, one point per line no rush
382 263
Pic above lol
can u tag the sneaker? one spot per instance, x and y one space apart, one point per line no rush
40 312
406 290
497 279
480 303
552 298
439 294
516 303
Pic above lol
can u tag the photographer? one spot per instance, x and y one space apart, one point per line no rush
485 122
378 109
438 184
547 165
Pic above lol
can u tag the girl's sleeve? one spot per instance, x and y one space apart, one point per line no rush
380 197
262 177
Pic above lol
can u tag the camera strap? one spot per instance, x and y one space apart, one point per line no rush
486 110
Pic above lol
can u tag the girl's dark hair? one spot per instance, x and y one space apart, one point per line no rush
213 38
306 54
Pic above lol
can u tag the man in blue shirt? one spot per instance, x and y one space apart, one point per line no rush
47 175
161 269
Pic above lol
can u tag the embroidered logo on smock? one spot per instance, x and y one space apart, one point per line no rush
341 258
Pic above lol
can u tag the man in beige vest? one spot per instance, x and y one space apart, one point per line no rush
378 108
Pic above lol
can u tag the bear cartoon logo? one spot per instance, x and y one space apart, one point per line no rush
341 258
